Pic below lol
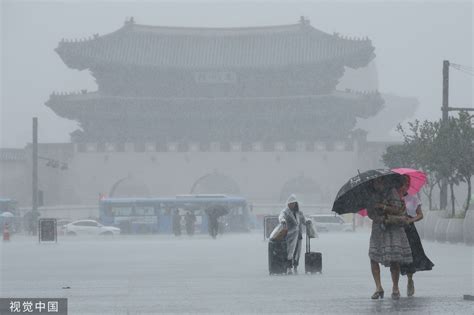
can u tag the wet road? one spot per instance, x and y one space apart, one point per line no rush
164 274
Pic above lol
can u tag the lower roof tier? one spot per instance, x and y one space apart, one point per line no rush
298 118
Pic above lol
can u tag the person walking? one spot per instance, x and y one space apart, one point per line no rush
388 242
213 222
190 220
293 219
176 221
420 261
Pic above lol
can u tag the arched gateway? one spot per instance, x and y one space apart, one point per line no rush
215 183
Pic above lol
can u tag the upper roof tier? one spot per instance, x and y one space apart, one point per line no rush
183 47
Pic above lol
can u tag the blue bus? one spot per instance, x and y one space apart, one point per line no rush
153 215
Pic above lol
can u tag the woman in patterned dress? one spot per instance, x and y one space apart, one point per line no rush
388 242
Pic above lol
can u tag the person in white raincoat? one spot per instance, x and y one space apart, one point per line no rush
295 222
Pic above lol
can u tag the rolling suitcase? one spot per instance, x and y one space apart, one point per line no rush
313 262
277 262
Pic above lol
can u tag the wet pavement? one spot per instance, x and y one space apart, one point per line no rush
164 274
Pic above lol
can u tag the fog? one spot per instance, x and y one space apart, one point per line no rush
411 39
162 196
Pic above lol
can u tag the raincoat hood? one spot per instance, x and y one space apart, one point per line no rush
291 199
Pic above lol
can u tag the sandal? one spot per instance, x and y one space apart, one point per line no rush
377 295
396 295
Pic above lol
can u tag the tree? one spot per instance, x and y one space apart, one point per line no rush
455 153
399 155
416 152
440 149
465 160
445 154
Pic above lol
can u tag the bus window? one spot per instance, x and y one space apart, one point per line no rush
144 210
122 211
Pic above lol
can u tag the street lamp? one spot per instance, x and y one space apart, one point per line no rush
35 158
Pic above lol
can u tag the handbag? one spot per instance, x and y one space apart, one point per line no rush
398 220
395 219
310 230
279 233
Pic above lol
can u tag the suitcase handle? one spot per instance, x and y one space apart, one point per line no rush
308 244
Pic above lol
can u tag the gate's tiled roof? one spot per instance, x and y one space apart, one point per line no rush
181 47
76 105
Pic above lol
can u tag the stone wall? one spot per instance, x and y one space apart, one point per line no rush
262 177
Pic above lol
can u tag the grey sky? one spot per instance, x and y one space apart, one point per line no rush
411 40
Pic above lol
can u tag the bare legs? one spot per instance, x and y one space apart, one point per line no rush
410 285
376 274
374 266
395 271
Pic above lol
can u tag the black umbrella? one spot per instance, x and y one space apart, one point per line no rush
357 192
217 210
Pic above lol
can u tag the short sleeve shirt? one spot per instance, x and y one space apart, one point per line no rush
412 202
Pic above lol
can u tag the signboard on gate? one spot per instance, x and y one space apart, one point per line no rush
47 229
269 224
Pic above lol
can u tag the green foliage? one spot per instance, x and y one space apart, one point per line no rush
442 150
398 156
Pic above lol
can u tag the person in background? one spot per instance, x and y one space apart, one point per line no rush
213 222
176 220
420 261
293 219
190 220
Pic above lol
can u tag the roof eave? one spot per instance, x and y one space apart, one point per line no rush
360 59
72 60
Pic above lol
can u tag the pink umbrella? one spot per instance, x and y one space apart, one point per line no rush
417 178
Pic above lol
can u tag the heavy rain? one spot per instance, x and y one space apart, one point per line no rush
240 157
